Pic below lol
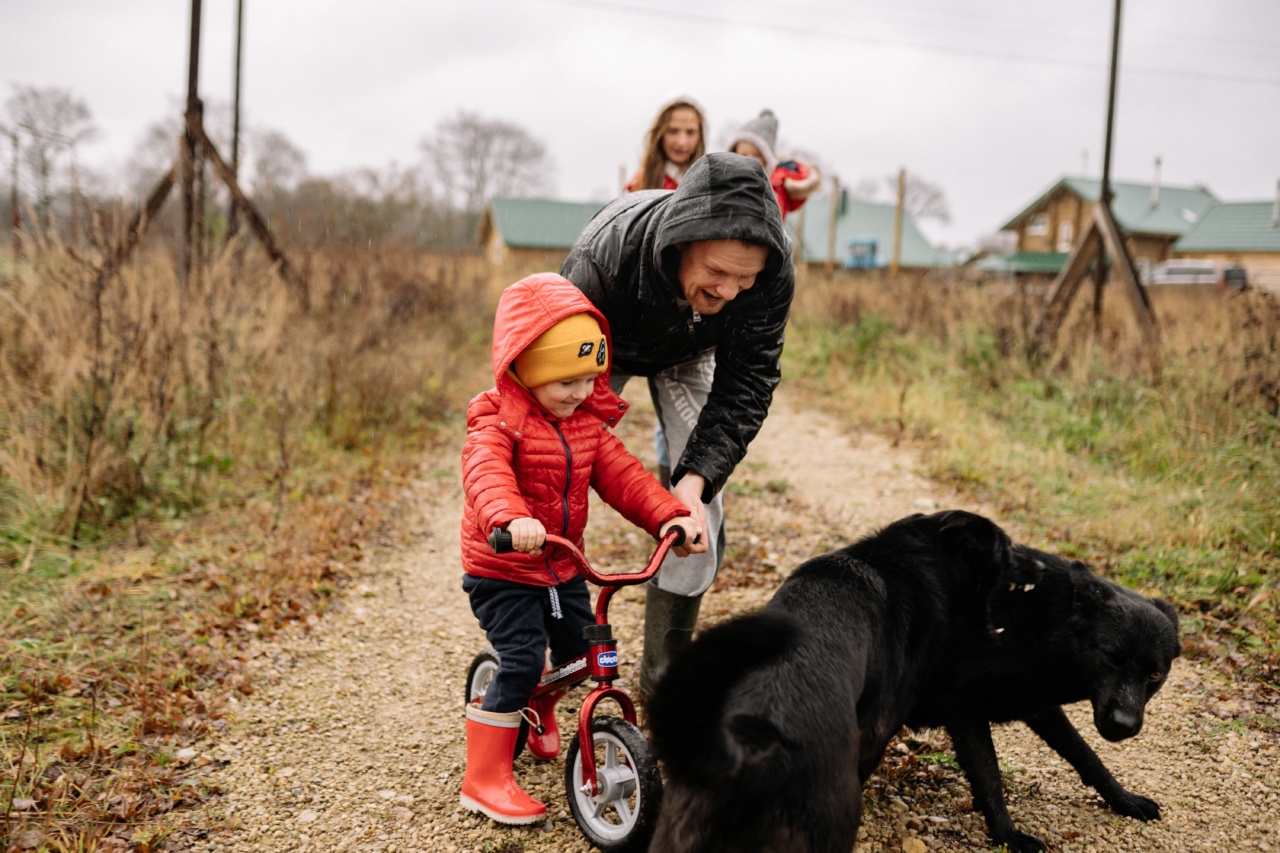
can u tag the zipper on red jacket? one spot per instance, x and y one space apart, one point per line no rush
564 498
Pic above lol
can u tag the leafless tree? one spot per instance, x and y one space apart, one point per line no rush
474 158
51 119
277 163
923 200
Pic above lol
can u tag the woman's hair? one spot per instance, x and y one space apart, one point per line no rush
654 163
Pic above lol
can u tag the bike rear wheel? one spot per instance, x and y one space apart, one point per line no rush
484 666
621 817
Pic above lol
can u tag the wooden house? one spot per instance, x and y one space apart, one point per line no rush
532 233
1244 233
1152 218
863 237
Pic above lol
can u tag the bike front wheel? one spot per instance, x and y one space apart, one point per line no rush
621 817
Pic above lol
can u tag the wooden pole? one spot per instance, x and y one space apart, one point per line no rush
15 213
256 223
233 225
897 223
1103 225
187 156
833 214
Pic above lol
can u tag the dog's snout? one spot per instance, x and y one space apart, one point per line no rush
1119 724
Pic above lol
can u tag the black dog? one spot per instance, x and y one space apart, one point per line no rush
770 724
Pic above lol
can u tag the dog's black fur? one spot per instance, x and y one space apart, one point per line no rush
770 724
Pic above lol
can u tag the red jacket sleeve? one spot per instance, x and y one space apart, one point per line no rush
624 484
488 480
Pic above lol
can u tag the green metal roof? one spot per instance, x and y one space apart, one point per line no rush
1049 263
863 219
540 223
1233 227
1177 209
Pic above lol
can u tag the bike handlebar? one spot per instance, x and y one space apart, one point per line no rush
500 542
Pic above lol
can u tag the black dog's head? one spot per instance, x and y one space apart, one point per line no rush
1126 644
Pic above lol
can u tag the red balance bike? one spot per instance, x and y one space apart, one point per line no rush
610 776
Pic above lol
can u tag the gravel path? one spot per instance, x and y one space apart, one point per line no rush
354 738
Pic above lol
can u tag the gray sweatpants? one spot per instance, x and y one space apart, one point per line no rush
679 393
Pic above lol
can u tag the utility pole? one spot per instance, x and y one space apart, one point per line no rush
897 222
1100 237
834 213
233 223
187 168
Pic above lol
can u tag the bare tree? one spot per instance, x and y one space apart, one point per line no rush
277 163
474 158
51 119
922 200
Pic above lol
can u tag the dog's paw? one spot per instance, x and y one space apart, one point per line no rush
1020 842
1134 805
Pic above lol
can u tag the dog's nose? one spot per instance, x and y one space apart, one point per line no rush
1120 724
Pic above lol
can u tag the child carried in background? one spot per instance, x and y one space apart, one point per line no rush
793 181
535 442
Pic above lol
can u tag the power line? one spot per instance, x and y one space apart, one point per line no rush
776 26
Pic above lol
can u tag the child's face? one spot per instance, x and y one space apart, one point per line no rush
563 397
680 139
746 149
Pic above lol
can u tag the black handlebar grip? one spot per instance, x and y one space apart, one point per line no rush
680 537
500 541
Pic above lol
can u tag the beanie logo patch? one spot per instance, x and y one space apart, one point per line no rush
585 349
600 353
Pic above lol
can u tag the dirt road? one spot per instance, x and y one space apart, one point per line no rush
354 739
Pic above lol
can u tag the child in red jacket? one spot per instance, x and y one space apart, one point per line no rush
535 442
792 180
675 140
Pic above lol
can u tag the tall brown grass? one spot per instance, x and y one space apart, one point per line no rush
182 468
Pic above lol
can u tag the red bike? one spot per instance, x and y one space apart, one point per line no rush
610 776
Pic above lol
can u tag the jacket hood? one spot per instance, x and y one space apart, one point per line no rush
723 197
528 308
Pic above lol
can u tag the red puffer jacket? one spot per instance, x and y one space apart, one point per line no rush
519 461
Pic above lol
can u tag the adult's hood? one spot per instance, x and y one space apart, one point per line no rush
723 197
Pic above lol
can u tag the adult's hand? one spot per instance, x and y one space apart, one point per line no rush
689 492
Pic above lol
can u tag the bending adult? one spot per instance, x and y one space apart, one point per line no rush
696 285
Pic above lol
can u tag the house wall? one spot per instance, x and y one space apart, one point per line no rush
1066 216
1262 268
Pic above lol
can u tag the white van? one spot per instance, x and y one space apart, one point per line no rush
1197 271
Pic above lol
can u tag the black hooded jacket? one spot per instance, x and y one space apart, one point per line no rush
627 263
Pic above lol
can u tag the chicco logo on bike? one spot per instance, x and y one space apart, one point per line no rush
607 658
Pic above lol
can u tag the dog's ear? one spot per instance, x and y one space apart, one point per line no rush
977 536
1168 610
1089 594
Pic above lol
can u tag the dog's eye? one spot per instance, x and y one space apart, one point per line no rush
1156 676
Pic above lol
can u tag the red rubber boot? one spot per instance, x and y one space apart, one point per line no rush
545 746
490 785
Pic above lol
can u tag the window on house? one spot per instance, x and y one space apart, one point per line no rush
1065 233
1038 225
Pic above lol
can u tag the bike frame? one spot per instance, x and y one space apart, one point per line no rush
601 660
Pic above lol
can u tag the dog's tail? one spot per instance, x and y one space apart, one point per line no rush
687 707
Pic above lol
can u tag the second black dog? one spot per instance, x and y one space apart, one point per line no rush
769 725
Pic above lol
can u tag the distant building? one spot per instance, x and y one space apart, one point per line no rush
1152 218
532 233
1245 233
863 237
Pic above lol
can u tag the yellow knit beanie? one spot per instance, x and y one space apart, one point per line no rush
573 347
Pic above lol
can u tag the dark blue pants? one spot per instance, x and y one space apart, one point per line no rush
518 621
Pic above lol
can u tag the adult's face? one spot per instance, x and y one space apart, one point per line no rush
714 272
680 138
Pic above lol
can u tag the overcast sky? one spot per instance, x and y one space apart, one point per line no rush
991 100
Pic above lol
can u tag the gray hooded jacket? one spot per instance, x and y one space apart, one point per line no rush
627 262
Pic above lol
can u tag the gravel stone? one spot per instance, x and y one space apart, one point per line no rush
353 739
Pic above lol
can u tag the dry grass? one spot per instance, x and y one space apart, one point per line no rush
180 471
1167 477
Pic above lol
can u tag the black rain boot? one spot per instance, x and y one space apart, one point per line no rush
669 620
